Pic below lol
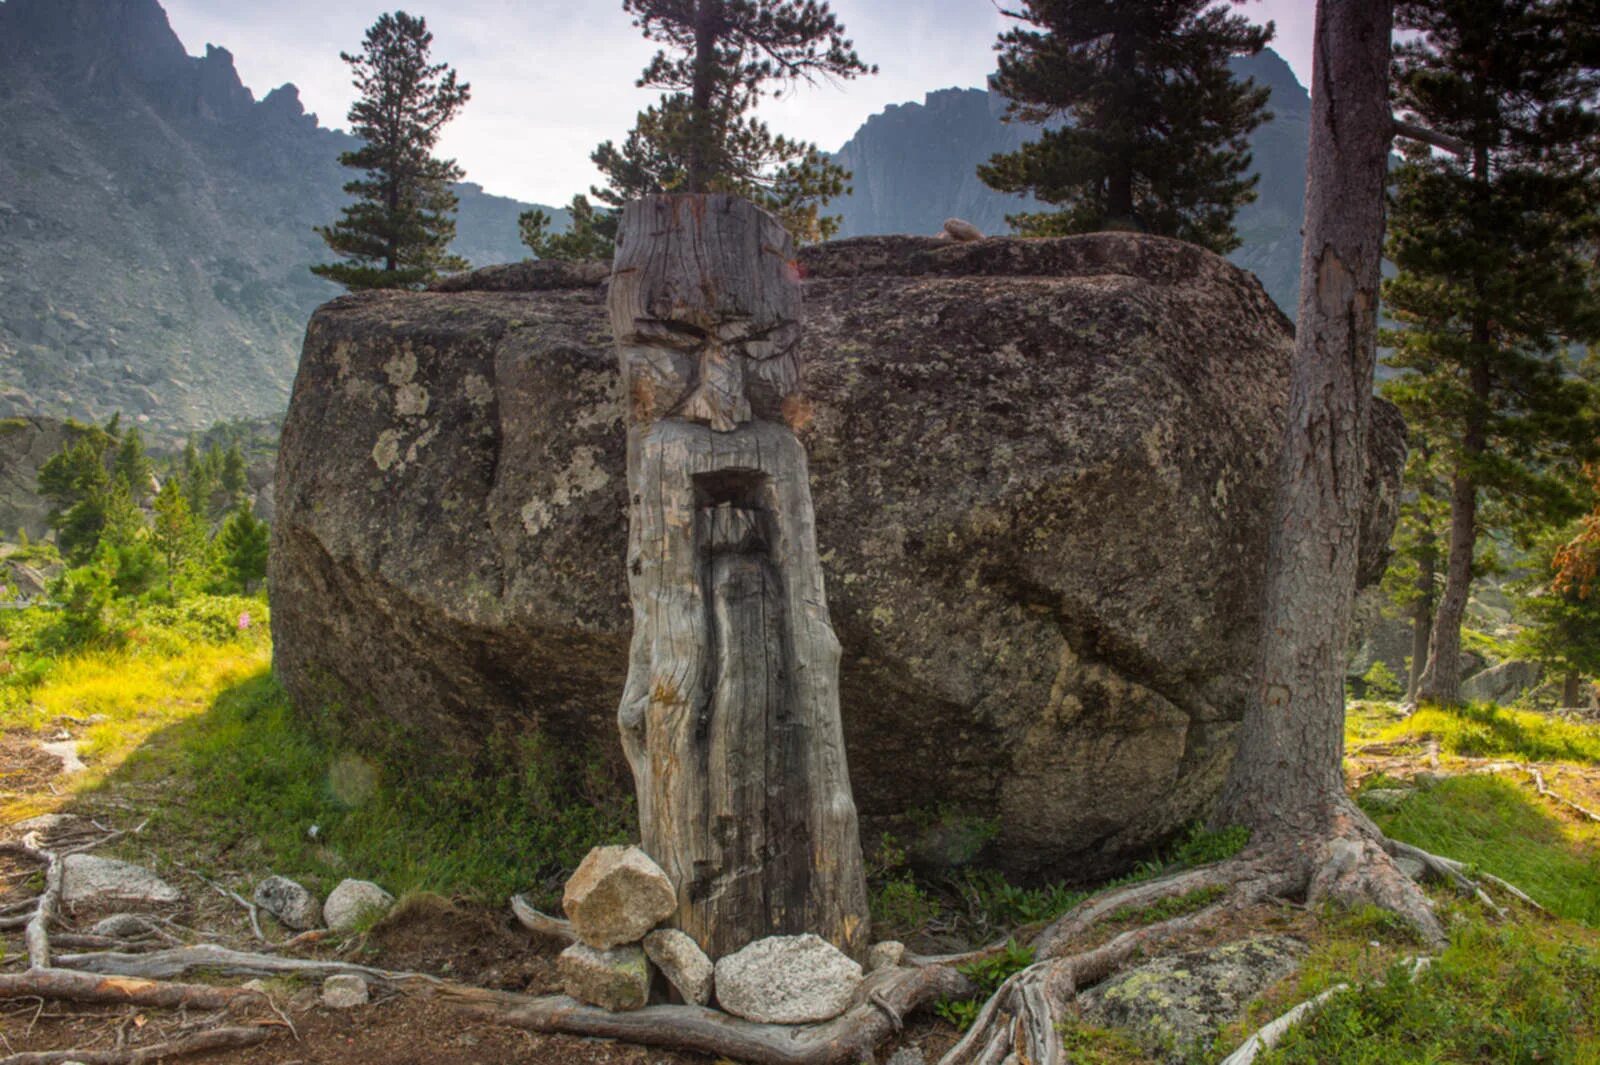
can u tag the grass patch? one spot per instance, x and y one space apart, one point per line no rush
252 781
1483 730
1495 825
986 974
159 666
1513 994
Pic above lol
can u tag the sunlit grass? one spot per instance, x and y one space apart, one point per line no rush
1503 828
1479 730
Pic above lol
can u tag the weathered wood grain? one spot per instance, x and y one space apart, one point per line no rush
730 718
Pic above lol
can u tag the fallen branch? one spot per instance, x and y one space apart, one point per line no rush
69 986
200 1043
886 996
1549 793
542 923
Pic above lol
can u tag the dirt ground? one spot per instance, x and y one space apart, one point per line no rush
454 939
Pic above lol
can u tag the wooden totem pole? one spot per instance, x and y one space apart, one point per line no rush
730 718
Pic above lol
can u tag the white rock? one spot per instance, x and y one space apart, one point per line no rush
91 881
907 1056
616 896
885 955
290 903
684 964
787 980
344 991
960 230
352 900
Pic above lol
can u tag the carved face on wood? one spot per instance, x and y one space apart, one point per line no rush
713 340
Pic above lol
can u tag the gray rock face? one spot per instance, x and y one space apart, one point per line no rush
291 904
344 991
122 926
616 980
683 963
25 445
1042 473
351 901
1502 683
1176 1004
617 895
787 980
91 881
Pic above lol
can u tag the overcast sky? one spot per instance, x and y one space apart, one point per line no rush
552 78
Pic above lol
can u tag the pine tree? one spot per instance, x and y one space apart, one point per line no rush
398 231
176 534
591 235
1495 277
75 483
132 466
242 547
728 54
1155 129
233 478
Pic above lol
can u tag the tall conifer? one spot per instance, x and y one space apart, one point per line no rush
721 57
398 231
1496 279
1154 125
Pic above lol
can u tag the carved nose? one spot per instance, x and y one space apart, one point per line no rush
718 397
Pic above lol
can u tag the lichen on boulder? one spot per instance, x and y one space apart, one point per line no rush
1042 473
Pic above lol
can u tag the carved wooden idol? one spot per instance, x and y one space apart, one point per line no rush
730 718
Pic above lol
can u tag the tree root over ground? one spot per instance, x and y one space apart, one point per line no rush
1352 863
885 1000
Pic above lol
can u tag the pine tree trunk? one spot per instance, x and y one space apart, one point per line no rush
1571 688
701 93
1441 681
1285 782
730 717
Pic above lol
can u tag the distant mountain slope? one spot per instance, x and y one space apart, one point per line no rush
155 221
915 165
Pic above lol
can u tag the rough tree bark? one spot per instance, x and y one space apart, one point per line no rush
730 717
1286 783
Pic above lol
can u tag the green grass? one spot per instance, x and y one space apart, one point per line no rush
1483 730
1508 995
176 703
253 781
1496 825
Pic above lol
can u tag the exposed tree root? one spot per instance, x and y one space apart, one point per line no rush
70 986
46 908
166 964
200 1043
1351 863
542 923
885 1000
1270 1034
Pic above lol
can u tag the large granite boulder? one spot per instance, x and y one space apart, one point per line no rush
1042 472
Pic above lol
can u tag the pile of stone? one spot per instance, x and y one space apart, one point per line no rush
615 903
298 909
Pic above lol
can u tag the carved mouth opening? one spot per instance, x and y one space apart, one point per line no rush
732 517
